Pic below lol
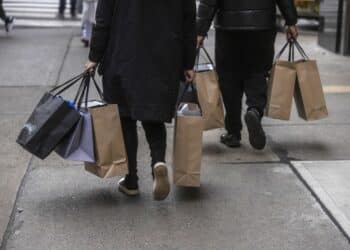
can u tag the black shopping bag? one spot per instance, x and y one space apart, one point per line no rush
52 119
78 145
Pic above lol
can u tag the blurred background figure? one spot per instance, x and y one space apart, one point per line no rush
8 20
88 20
62 8
79 6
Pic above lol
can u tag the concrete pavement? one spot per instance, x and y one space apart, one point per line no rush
249 200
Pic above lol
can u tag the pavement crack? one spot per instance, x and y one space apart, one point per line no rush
11 226
66 53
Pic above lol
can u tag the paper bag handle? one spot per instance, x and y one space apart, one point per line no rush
206 54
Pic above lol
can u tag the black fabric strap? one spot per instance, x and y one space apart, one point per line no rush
79 92
206 54
85 94
66 85
301 50
99 91
186 90
279 54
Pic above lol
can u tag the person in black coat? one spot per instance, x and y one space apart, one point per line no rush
144 49
245 37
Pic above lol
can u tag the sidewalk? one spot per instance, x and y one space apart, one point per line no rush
249 200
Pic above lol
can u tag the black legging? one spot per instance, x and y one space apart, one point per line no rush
62 6
156 138
2 12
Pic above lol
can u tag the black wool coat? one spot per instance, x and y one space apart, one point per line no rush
143 47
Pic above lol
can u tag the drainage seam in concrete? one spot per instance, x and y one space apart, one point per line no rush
283 155
8 231
323 199
69 43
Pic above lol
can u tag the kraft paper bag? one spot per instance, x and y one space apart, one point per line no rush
209 94
281 90
188 140
111 158
79 144
309 95
210 99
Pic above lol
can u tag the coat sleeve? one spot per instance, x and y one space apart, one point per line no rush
190 43
206 12
101 30
288 10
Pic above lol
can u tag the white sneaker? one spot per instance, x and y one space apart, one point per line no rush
161 184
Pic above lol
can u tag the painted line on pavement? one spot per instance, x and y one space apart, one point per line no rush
336 89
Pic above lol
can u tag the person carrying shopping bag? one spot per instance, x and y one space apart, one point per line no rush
144 49
88 20
245 37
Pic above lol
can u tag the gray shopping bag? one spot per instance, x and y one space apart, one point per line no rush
79 144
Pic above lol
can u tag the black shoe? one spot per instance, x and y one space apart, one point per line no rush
257 137
85 42
128 186
9 24
230 140
60 16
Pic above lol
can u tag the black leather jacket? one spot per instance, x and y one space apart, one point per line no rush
243 14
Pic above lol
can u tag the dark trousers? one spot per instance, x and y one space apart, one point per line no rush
243 60
2 12
62 7
156 138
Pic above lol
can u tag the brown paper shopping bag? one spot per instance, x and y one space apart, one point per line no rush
281 88
188 139
309 95
111 158
209 93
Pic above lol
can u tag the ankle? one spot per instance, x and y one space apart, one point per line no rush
256 110
132 178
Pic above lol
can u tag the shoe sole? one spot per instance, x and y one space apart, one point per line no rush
230 145
257 137
128 192
161 186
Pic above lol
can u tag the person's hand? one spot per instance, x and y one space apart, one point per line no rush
200 41
292 32
189 75
90 66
